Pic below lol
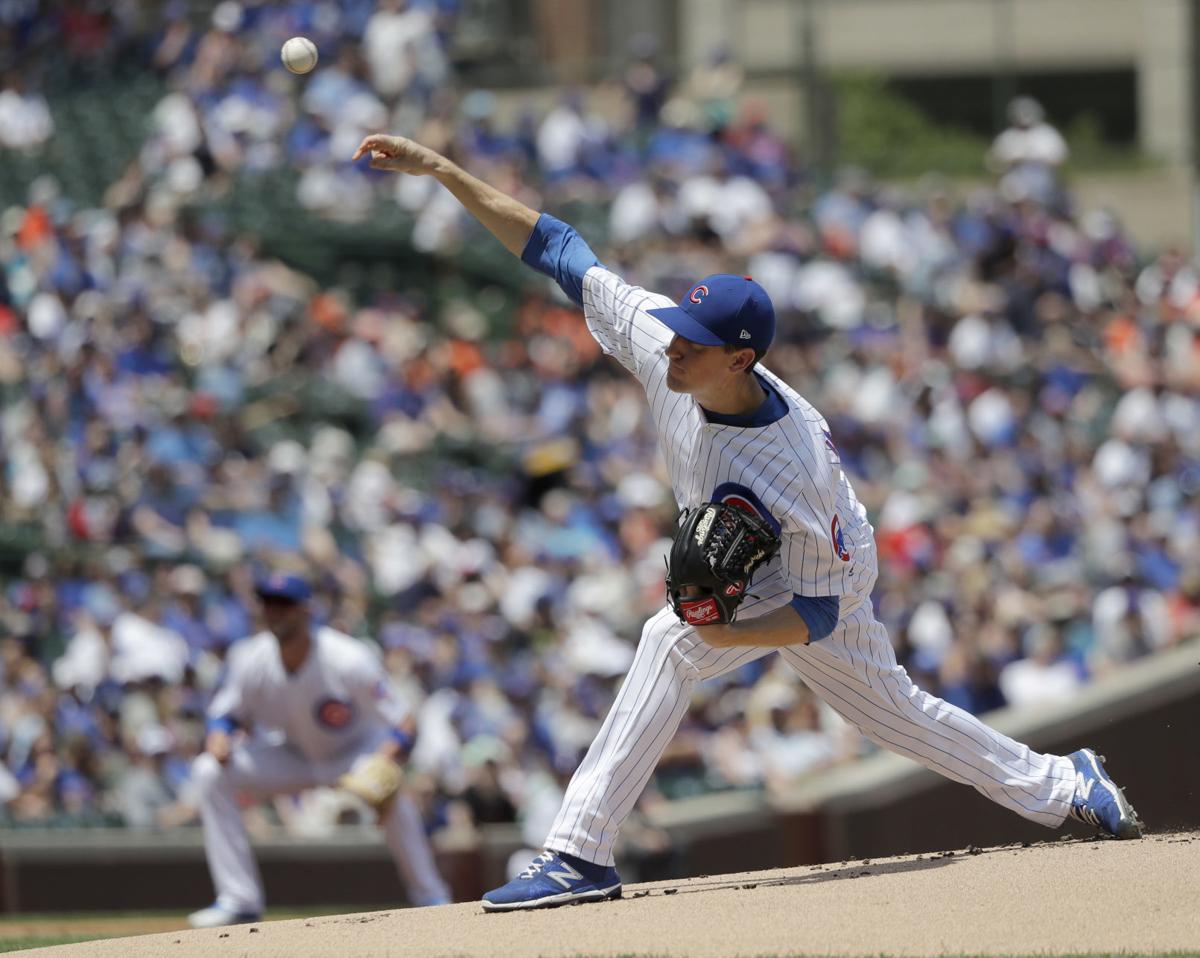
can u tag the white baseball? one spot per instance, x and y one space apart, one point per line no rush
299 54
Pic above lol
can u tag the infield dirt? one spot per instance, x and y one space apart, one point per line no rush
1058 897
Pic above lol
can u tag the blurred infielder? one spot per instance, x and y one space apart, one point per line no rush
731 432
342 722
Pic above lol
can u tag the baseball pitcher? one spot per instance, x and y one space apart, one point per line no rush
774 553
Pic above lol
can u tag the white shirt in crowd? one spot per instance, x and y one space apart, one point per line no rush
1040 144
136 650
25 120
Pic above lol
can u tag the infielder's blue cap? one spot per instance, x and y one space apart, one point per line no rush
280 585
723 310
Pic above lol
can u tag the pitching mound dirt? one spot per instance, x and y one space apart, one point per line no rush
1053 898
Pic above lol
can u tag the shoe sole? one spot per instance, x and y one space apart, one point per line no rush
1130 826
233 920
554 901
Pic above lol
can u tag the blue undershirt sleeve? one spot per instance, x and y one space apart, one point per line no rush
554 248
223 723
820 613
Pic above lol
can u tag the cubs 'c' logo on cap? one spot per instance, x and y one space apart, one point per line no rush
334 714
839 539
698 294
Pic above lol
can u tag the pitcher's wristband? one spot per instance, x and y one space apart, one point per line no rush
403 739
223 723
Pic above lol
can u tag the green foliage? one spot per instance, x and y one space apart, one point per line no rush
1091 153
888 135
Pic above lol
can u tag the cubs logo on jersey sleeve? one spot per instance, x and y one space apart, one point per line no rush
737 495
839 539
835 457
335 714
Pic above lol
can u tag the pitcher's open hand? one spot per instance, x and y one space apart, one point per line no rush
398 154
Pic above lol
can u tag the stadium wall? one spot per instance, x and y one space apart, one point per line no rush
942 37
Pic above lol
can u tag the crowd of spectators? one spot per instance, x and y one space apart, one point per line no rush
1013 391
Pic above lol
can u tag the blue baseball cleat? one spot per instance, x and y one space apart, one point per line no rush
1098 802
217 916
549 881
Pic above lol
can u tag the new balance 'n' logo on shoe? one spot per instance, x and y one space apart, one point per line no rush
565 875
1098 801
548 881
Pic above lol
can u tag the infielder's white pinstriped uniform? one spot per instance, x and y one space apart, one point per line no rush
791 468
339 706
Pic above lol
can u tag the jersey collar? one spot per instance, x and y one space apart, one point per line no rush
773 409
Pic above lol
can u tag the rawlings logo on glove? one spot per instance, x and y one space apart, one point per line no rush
716 552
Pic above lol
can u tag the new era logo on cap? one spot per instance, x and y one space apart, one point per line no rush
723 310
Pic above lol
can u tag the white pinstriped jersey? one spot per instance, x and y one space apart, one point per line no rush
784 466
340 700
791 466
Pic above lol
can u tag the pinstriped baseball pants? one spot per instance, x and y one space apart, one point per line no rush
263 769
853 670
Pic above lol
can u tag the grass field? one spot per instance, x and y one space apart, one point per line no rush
38 941
41 930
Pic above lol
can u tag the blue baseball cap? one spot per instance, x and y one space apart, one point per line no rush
723 310
280 585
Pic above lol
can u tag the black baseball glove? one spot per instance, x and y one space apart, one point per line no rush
716 552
